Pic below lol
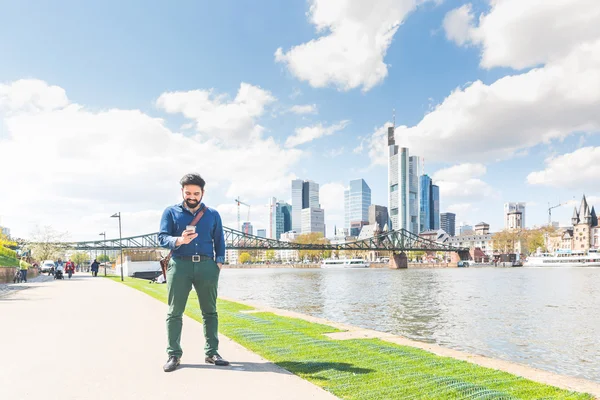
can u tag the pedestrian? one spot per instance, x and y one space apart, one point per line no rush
95 266
198 253
23 266
70 268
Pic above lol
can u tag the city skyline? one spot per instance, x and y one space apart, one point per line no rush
258 102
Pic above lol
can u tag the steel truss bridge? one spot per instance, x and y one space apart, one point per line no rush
393 241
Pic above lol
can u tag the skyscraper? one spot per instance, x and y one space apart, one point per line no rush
398 184
247 228
448 223
514 216
434 221
414 173
305 194
297 185
313 220
426 203
357 199
261 233
378 215
279 220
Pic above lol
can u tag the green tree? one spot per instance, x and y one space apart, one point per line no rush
270 254
244 258
79 257
312 238
103 258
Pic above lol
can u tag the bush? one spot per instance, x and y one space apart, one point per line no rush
7 252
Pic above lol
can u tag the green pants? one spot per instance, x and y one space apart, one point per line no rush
204 276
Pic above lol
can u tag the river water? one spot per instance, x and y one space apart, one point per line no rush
547 318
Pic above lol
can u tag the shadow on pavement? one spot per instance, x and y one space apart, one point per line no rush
239 366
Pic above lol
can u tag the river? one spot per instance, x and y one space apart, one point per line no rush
547 318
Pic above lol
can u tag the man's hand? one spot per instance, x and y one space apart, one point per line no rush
186 238
220 265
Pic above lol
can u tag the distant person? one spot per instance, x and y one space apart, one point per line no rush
23 266
70 268
197 257
95 267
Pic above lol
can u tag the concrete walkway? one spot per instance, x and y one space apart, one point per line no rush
91 338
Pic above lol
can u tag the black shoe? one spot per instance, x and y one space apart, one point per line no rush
171 364
216 359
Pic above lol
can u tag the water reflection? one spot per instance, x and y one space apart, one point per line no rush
544 317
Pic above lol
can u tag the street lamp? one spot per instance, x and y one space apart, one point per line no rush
104 234
118 215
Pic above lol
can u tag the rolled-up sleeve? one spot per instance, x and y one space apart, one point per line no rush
165 234
219 239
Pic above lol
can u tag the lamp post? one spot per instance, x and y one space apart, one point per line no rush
118 215
104 234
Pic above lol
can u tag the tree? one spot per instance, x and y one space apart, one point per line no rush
79 257
244 258
45 243
103 258
270 254
312 238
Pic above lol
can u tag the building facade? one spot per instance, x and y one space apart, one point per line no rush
279 218
414 171
378 215
247 228
514 216
261 233
434 207
426 202
313 220
305 194
398 184
448 223
357 199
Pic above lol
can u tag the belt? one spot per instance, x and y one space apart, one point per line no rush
194 258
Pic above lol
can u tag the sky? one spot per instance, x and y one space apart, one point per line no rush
104 106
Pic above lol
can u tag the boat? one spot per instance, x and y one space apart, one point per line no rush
564 259
344 263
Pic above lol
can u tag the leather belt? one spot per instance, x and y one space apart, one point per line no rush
194 258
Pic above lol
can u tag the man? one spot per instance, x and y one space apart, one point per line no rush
23 266
198 255
95 267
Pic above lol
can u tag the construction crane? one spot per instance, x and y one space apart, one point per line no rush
550 211
239 202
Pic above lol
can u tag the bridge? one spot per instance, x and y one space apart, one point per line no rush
398 241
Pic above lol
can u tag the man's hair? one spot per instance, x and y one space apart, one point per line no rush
192 179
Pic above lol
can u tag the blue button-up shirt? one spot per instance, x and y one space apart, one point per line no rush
209 230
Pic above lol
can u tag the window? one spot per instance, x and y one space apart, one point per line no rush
393 188
394 211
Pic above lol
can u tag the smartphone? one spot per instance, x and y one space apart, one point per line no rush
190 228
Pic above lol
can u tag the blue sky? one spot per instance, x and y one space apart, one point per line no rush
111 58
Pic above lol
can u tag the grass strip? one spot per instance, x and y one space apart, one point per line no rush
8 261
363 368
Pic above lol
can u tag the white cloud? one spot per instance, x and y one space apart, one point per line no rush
490 122
463 211
331 196
85 165
525 33
31 95
462 182
304 109
457 24
335 152
355 38
216 116
310 133
559 170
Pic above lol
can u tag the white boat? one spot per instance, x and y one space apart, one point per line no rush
565 259
345 263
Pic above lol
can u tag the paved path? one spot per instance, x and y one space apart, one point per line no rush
92 338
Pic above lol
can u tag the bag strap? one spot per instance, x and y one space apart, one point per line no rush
198 216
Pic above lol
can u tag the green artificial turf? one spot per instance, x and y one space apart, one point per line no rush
362 368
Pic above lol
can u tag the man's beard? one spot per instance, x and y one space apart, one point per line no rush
191 203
